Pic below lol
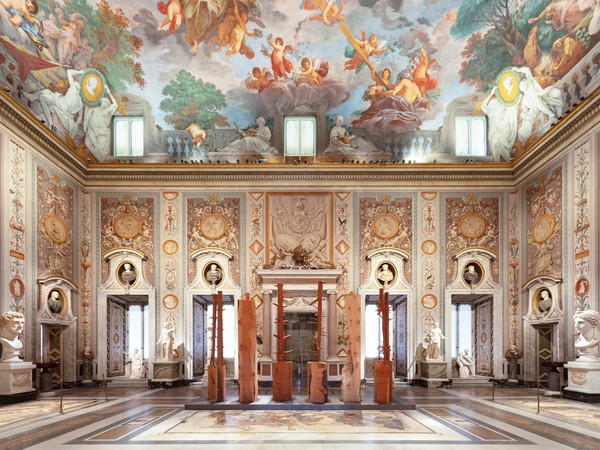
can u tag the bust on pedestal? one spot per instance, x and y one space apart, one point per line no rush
584 372
15 375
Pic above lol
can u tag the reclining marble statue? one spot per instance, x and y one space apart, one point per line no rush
343 143
11 325
253 143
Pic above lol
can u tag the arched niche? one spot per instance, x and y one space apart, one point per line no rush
55 319
399 291
486 296
201 290
542 320
119 285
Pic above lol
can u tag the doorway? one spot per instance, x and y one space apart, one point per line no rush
472 329
127 330
199 350
302 329
400 346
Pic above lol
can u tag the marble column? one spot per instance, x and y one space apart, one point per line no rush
267 334
332 325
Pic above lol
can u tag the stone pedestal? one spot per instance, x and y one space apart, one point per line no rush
166 374
584 377
434 374
15 378
282 381
317 382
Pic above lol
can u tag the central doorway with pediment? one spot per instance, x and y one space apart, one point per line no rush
302 345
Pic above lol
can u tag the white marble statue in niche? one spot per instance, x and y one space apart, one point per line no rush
465 364
11 325
385 275
587 325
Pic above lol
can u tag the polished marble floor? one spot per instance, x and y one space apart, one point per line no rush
453 418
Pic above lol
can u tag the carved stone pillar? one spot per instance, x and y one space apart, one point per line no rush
267 300
332 325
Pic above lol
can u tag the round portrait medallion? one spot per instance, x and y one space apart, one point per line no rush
127 226
429 247
582 287
472 225
213 226
170 247
429 301
17 288
543 228
55 228
386 226
507 85
93 87
170 301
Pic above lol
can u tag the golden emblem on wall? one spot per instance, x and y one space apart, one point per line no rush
127 225
386 225
543 228
213 226
55 228
429 301
472 225
170 301
170 247
93 87
429 247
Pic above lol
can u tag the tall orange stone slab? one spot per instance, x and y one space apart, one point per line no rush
220 383
383 382
317 382
247 357
211 372
351 370
282 381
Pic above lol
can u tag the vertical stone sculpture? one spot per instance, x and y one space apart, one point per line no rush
317 370
351 370
211 370
221 369
247 360
282 369
383 368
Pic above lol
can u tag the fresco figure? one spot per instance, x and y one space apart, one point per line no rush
252 140
375 91
369 47
280 65
239 32
198 135
565 14
341 140
309 72
224 29
20 16
66 42
97 125
201 19
174 15
66 104
329 10
259 79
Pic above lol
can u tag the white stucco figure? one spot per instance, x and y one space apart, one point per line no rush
434 351
465 364
258 140
11 325
97 125
138 370
67 106
166 340
587 325
341 140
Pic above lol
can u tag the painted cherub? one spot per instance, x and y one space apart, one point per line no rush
224 29
239 32
310 73
173 12
421 75
281 66
259 79
370 47
329 10
21 16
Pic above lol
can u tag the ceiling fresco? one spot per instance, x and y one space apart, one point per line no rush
388 67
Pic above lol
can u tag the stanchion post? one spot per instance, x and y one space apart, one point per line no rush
104 382
538 395
60 409
493 387
37 396
560 388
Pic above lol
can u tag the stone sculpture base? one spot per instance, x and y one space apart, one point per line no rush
282 381
166 374
433 373
15 378
317 382
584 377
383 382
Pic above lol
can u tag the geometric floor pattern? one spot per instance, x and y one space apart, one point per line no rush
461 417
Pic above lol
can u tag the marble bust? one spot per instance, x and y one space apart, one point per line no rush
11 325
587 325
385 275
545 301
470 275
54 302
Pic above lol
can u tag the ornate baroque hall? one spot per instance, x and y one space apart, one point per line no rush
299 224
